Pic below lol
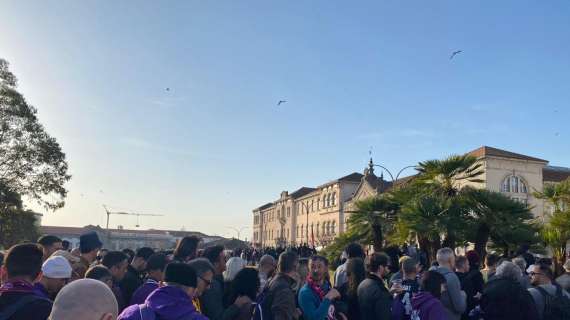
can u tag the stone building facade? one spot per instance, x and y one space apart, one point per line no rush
317 215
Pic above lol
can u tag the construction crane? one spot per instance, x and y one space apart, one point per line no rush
128 214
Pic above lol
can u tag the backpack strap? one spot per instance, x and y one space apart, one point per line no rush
21 303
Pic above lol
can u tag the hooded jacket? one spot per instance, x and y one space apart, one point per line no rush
167 303
427 307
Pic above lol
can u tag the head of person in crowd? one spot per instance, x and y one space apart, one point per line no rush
510 271
217 258
233 266
23 262
474 260
182 276
521 263
356 273
65 245
491 261
85 299
377 264
186 249
56 272
288 264
410 268
318 268
89 245
50 244
130 254
117 263
462 264
245 283
155 266
140 260
541 274
446 258
432 282
354 250
267 265
101 254
205 273
100 273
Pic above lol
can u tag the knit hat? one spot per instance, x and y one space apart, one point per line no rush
89 241
57 268
180 273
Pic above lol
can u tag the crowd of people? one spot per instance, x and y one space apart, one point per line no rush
45 280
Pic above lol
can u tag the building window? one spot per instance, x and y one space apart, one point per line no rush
288 212
324 201
302 232
317 229
328 200
514 184
333 198
333 227
323 227
313 205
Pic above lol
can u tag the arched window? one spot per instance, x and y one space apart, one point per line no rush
328 229
333 227
312 205
514 184
324 201
333 199
329 200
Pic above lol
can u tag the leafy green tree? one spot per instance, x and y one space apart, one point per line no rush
373 218
32 163
498 217
447 178
16 224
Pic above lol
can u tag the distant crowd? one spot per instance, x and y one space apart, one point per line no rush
46 280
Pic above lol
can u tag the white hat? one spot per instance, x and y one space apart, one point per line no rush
57 268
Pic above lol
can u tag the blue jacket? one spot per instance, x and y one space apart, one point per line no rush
311 304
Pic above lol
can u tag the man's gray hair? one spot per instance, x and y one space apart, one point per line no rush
267 259
509 270
520 262
444 255
201 266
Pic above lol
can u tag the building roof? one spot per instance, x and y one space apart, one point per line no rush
486 151
353 177
301 192
555 174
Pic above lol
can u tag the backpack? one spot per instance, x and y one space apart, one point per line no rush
556 307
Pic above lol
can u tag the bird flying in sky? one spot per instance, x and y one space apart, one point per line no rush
455 53
280 102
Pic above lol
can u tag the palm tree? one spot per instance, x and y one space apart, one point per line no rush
497 216
446 177
372 219
558 195
424 217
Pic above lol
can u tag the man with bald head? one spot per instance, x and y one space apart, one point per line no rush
267 265
85 299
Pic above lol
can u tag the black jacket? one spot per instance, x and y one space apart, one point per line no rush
213 302
39 309
506 299
348 303
471 282
130 283
374 299
279 301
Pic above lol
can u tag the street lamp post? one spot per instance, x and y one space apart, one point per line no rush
390 173
306 206
238 231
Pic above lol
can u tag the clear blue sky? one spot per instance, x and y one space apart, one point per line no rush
355 75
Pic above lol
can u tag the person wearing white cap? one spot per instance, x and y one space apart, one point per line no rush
56 272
